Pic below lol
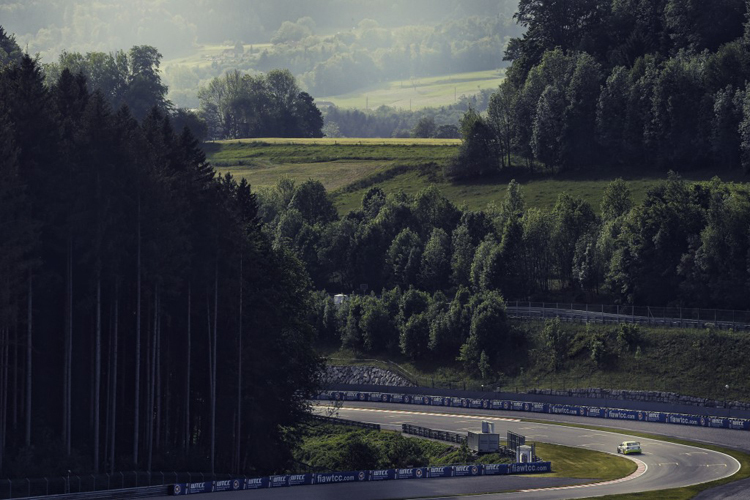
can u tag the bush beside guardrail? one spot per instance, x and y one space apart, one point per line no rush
341 421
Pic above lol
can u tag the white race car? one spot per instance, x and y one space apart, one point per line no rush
628 447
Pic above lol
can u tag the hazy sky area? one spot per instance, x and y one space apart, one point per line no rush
176 27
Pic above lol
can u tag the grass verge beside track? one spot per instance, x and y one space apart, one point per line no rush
584 464
676 493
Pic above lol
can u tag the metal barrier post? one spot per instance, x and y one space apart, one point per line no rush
94 486
28 490
122 480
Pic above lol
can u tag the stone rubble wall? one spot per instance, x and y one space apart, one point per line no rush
364 375
647 396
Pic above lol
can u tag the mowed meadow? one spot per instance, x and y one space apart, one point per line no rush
348 167
418 93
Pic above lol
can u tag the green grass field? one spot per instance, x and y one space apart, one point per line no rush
580 463
204 54
349 167
321 446
419 93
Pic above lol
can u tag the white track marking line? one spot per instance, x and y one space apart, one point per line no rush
642 467
451 415
641 470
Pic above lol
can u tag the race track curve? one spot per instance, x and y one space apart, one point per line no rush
663 465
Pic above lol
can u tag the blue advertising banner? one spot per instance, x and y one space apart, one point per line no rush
456 402
476 403
566 410
256 483
495 469
363 396
739 424
421 400
467 470
400 398
446 471
718 422
300 479
337 396
377 396
227 485
516 405
195 488
440 401
498 404
278 481
652 416
418 473
536 407
594 412
622 414
529 468
340 477
382 475
686 420
176 489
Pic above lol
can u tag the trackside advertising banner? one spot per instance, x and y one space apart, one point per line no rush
382 475
283 481
341 477
418 473
467 470
496 469
556 409
440 471
530 468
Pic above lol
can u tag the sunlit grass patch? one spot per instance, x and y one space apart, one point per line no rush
419 93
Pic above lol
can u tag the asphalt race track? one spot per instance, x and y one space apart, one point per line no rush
661 466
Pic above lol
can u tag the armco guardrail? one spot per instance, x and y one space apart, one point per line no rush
415 430
131 493
534 407
360 476
341 421
121 484
678 317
